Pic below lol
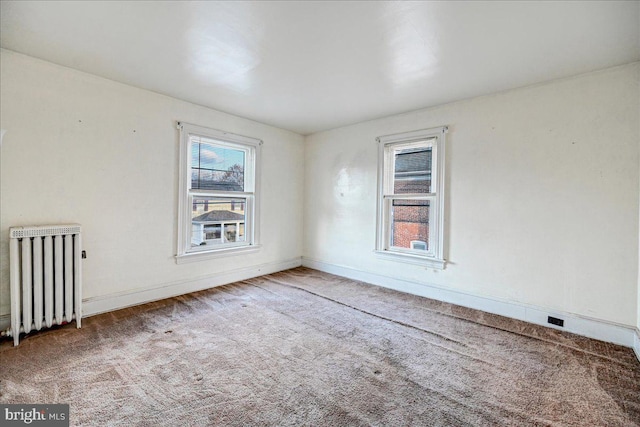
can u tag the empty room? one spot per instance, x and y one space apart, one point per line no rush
362 213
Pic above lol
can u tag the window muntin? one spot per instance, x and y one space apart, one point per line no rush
411 196
218 204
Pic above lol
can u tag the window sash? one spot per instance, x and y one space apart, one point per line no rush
389 165
249 160
249 201
389 223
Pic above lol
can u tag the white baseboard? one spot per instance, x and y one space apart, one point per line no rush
102 304
581 325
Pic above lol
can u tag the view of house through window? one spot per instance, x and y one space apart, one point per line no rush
219 190
216 220
217 169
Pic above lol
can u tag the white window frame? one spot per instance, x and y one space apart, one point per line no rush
251 194
434 257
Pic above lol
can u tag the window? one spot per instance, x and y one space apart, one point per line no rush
218 193
411 197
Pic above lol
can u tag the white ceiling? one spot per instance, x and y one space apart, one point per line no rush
311 66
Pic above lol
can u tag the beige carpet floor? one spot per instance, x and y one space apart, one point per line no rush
304 348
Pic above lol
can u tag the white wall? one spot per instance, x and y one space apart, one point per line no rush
83 149
542 188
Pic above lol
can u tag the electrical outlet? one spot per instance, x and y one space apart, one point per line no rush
555 321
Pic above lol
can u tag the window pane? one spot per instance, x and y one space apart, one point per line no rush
410 224
412 170
217 220
216 168
212 231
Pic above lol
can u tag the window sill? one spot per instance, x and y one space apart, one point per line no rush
427 262
215 253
